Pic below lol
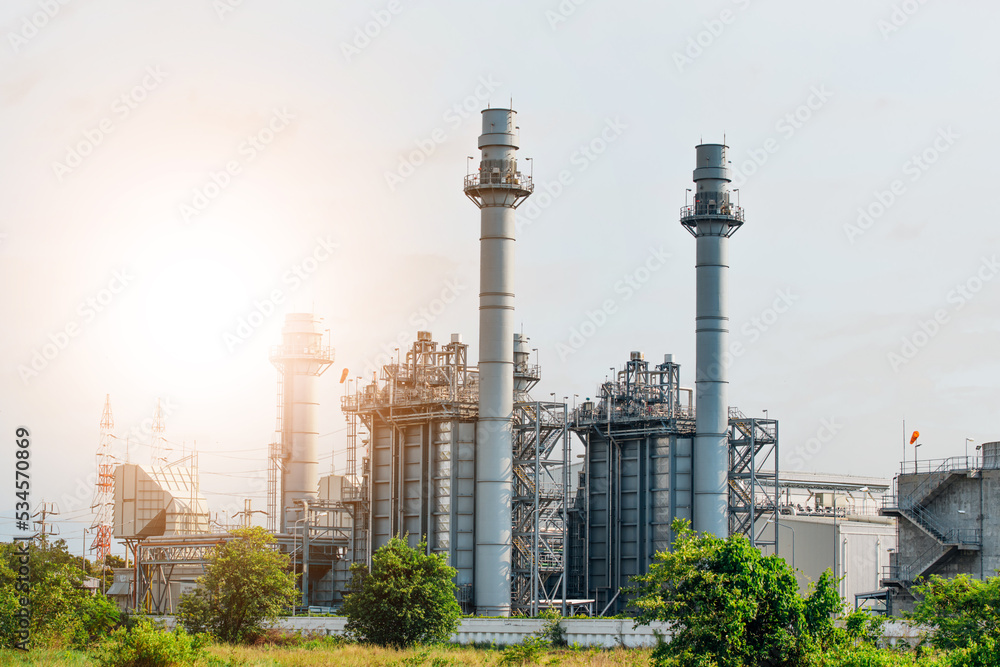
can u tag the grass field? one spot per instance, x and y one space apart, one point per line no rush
350 655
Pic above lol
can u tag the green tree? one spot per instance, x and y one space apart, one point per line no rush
62 612
247 584
408 597
731 606
964 612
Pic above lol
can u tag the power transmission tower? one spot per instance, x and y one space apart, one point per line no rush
44 511
104 496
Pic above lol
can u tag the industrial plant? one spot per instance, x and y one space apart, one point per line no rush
460 456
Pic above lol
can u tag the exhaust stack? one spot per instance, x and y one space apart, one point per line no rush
496 189
712 219
300 359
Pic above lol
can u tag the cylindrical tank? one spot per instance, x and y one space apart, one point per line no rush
497 190
301 359
991 455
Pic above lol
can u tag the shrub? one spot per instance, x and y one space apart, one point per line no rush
407 598
731 606
246 585
146 645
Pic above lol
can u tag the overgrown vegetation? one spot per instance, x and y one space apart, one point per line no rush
246 586
63 614
407 598
731 606
145 645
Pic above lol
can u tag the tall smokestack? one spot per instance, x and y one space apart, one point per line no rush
497 189
712 219
300 359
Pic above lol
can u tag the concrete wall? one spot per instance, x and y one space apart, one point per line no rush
606 633
967 502
862 544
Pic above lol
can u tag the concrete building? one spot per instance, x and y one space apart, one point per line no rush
945 523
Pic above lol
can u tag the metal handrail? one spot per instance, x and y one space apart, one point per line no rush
941 465
727 210
503 179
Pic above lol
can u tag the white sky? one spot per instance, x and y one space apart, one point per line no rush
573 71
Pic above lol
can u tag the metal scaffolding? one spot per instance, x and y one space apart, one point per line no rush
753 479
540 504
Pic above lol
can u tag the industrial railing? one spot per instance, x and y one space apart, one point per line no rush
727 210
510 179
323 352
953 463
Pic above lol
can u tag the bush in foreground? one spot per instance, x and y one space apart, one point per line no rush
731 606
246 585
407 598
146 645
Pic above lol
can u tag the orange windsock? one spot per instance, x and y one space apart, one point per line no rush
343 376
913 438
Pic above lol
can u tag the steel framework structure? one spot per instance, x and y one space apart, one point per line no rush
753 479
637 475
540 525
104 495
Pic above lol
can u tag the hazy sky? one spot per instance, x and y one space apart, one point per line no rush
170 168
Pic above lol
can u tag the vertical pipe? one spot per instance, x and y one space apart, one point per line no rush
711 220
497 190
